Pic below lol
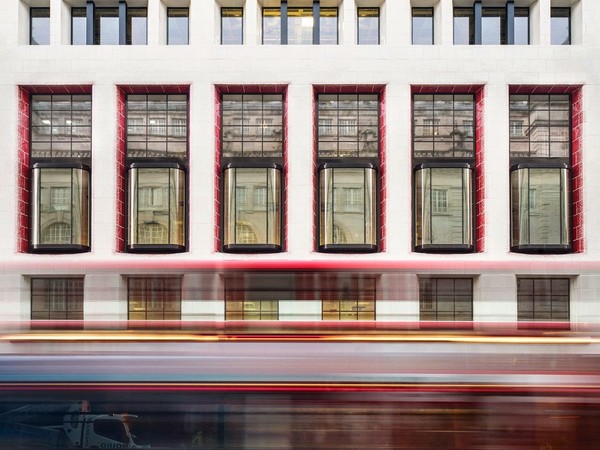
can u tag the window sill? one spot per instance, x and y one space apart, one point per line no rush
348 248
252 248
444 248
155 248
58 248
548 249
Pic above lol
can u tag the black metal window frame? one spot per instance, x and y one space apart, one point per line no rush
241 9
166 161
537 298
360 290
266 160
176 281
423 9
351 162
434 308
431 161
477 12
71 293
83 158
93 26
378 23
316 8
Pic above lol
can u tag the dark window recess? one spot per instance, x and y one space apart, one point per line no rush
178 22
39 26
540 175
491 25
57 298
348 172
443 173
368 26
252 175
543 299
300 26
560 26
422 26
154 298
232 28
445 299
157 129
60 176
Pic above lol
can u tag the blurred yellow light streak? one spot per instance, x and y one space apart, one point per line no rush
120 336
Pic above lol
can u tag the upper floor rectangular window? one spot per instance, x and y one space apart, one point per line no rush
57 298
422 26
39 26
300 25
491 25
178 21
109 25
368 26
232 26
560 26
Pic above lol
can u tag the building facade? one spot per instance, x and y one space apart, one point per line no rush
406 161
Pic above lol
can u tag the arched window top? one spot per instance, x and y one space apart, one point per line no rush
153 233
57 233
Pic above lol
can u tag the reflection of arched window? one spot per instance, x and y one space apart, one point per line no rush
57 233
152 233
244 233
339 236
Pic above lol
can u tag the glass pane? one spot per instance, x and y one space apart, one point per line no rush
368 26
271 26
560 26
137 23
231 26
252 209
156 206
328 26
300 26
422 26
521 26
493 26
443 207
78 26
40 26
106 26
540 207
464 32
177 26
348 206
60 207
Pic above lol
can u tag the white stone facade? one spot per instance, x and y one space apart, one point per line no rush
395 63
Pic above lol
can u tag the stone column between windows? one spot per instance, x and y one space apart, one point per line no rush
251 23
496 167
348 23
156 23
398 24
55 22
443 26
299 184
544 14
